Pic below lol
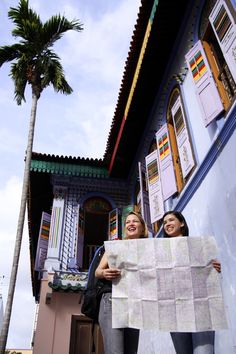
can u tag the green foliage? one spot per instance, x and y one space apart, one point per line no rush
34 61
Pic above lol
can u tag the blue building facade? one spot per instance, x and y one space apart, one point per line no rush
197 112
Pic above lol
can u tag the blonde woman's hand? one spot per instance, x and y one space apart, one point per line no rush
216 264
111 273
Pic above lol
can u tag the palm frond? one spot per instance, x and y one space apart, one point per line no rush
19 75
9 53
53 74
62 86
36 64
24 18
56 26
30 31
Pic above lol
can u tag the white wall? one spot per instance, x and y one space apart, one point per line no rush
1 312
212 211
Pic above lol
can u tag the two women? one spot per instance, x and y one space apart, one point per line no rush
125 341
116 340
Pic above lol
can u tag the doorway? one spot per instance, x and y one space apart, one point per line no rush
96 215
85 337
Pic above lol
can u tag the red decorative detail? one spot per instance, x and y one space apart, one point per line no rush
117 144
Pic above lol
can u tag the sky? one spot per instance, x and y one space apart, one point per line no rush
74 125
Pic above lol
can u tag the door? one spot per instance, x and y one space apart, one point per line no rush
84 338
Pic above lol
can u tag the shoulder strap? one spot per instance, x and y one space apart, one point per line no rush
93 266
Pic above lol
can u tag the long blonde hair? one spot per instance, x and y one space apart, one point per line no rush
141 219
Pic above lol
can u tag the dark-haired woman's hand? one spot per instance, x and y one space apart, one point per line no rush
216 264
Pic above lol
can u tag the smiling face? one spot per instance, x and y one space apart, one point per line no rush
172 225
133 227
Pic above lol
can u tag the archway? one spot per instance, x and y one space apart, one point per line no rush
96 212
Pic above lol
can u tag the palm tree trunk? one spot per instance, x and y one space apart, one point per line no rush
20 227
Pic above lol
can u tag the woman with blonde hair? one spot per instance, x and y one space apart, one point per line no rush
118 340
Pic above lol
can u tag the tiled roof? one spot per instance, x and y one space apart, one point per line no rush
70 169
69 282
66 288
68 159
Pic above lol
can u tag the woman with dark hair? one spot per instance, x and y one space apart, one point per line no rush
175 225
118 340
171 216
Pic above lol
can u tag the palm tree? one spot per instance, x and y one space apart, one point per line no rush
36 64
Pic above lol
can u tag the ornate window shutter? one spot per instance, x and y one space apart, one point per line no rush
154 187
224 27
205 87
167 173
182 137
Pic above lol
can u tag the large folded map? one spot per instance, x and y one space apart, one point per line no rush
166 284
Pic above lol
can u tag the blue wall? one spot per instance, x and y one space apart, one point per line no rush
208 201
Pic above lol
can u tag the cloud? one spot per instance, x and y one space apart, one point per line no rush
23 306
5 95
93 62
10 195
82 129
103 43
10 141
